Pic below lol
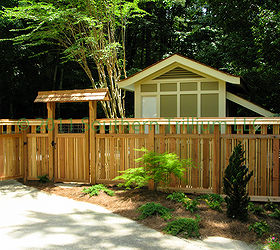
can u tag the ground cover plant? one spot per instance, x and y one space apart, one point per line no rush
214 201
260 228
44 178
155 167
275 214
189 204
235 180
151 208
255 209
95 190
188 227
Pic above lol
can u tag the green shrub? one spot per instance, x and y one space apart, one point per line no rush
235 181
276 214
257 210
151 208
259 228
156 167
95 190
187 226
44 178
191 205
273 242
214 201
177 196
270 206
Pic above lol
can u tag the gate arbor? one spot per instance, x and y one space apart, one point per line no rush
69 144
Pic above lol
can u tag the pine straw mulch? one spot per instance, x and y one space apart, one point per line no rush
126 202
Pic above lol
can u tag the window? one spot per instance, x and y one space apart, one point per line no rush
148 88
188 86
149 107
168 98
188 105
210 105
209 86
168 87
168 105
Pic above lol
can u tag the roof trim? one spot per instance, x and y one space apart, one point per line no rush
249 105
76 95
177 58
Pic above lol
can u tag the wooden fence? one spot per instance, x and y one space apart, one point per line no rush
65 150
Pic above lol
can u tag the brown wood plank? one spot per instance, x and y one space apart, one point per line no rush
275 170
263 162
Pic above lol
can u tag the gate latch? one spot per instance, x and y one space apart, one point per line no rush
53 144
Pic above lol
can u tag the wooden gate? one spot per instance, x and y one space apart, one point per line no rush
71 153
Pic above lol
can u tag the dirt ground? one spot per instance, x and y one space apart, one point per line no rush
126 202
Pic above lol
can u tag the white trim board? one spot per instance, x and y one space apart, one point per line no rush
249 105
173 61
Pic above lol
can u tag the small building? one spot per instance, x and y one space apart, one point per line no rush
180 87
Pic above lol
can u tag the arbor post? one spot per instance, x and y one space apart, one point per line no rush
92 141
51 118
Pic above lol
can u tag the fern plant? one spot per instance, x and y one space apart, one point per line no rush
189 227
95 190
156 167
44 178
151 208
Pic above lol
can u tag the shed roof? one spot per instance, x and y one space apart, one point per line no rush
181 60
77 95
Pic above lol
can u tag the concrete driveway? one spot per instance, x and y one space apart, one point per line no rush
31 219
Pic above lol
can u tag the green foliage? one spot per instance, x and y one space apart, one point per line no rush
187 226
44 178
190 205
259 228
273 242
270 206
235 180
95 190
133 177
214 201
151 208
255 209
156 167
275 214
177 196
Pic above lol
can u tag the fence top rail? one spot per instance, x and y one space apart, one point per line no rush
154 121
192 121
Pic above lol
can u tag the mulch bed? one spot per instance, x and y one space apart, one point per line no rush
126 202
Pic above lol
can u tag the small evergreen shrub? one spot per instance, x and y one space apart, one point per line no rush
270 206
273 242
257 210
187 226
275 214
151 208
156 167
95 190
191 205
177 196
44 178
214 201
260 228
235 182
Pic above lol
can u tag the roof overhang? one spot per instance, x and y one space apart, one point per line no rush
77 95
129 82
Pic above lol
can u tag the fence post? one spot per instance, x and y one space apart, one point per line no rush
24 155
216 160
275 173
51 118
92 149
